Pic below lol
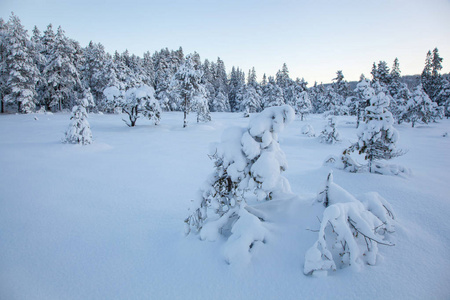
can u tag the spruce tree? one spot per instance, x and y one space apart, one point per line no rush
377 137
272 94
61 74
419 108
19 67
79 131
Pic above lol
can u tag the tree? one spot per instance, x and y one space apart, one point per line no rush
3 67
431 79
19 68
399 92
302 104
272 94
186 84
220 102
134 102
329 134
236 89
350 231
248 163
377 137
79 131
419 108
61 74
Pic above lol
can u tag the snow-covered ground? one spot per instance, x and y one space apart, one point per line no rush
105 221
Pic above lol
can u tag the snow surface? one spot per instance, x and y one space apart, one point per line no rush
105 221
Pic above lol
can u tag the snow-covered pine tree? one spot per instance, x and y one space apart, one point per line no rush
350 231
248 165
220 102
377 137
79 131
431 79
419 108
251 102
362 93
236 89
3 70
186 84
340 85
302 105
272 94
399 92
61 73
19 68
329 134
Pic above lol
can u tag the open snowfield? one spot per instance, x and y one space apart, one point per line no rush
105 221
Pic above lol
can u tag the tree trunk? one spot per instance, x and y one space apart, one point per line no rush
185 112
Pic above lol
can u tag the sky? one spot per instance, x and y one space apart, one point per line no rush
314 38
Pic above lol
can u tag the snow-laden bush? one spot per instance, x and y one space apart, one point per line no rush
329 134
308 130
350 230
248 164
135 101
79 131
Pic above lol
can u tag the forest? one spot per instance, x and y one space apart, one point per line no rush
52 72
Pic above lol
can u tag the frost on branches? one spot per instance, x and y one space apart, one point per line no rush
135 101
351 230
79 131
329 134
248 164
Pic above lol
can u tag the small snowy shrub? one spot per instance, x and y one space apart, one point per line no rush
350 230
308 130
79 131
329 134
248 163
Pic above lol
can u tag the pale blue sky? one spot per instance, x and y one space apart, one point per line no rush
314 38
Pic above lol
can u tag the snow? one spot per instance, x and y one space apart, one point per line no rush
105 221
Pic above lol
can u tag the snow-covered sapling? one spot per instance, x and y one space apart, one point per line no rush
308 130
329 134
350 230
377 137
79 131
248 163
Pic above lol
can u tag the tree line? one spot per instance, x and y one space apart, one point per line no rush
52 72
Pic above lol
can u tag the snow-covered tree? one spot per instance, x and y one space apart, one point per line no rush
236 89
18 67
248 166
308 130
350 231
79 131
186 85
329 134
302 104
135 101
61 73
431 78
419 108
377 137
220 101
3 70
272 94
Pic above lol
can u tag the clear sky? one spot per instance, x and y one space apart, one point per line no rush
314 38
